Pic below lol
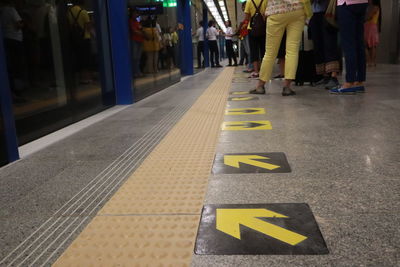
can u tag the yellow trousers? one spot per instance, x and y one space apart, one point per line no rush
293 23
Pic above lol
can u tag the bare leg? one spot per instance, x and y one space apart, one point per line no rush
261 83
256 67
287 83
349 85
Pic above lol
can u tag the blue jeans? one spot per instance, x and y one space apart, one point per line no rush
136 56
351 27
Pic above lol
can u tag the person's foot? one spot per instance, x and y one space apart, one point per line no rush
287 91
248 71
259 90
332 83
218 66
323 81
254 75
280 76
359 86
229 65
343 90
235 65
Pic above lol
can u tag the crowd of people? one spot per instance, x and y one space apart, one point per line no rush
274 30
355 23
153 48
219 43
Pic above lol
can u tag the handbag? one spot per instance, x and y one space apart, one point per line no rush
330 14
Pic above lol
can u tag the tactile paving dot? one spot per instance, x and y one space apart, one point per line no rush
134 241
172 181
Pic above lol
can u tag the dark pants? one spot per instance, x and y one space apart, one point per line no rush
351 23
257 47
244 58
214 54
324 36
230 52
200 51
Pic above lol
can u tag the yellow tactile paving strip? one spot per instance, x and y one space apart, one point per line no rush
153 218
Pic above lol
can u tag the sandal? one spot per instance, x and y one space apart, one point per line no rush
258 91
287 91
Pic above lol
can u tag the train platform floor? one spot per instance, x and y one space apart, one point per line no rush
204 174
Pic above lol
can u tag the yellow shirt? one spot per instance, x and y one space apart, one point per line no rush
251 9
82 20
175 38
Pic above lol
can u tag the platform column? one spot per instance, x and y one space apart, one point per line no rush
8 120
185 37
120 50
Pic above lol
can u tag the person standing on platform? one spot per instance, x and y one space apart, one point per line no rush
137 39
244 37
200 45
281 58
254 14
326 51
175 46
289 15
212 35
80 23
351 18
229 43
372 27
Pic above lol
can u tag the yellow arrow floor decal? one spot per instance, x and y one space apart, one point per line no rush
229 221
239 93
245 111
235 160
244 98
246 125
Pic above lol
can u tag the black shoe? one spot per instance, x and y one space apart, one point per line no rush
287 91
323 81
218 66
332 83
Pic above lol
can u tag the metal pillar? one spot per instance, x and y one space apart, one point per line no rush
185 37
120 50
10 133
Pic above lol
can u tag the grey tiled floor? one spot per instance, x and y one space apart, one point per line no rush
344 152
35 189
